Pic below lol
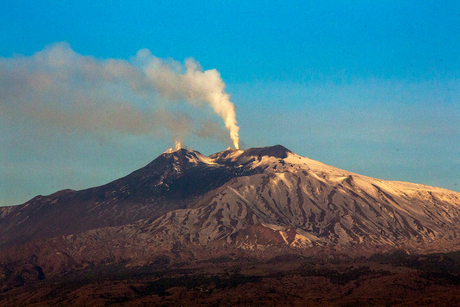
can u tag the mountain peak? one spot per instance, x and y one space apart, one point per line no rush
277 151
177 146
239 155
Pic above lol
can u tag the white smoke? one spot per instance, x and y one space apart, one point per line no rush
194 85
61 87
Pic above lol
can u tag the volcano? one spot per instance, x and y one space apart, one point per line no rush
189 206
247 198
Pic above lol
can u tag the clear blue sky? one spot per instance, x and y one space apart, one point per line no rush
372 87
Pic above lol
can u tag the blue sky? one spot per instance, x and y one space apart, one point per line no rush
372 87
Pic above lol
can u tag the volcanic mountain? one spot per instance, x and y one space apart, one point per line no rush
250 198
188 228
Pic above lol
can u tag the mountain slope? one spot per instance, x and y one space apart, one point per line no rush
300 202
245 198
151 191
173 180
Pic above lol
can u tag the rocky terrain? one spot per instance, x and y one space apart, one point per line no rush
238 279
246 208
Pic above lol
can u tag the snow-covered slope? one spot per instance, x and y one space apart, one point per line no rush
295 201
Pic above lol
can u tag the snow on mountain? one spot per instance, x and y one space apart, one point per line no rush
295 201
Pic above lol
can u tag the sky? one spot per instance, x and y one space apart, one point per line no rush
93 90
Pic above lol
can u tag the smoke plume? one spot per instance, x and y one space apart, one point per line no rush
60 87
